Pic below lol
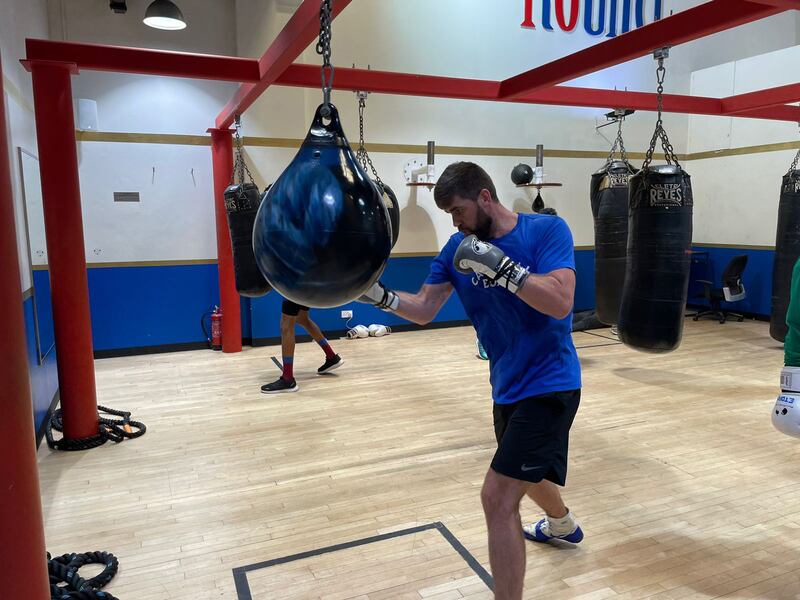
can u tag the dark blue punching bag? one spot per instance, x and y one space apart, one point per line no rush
787 251
658 262
609 197
390 201
322 234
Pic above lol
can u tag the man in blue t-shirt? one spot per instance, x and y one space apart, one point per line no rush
515 276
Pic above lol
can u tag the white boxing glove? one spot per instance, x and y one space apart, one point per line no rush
379 330
786 412
359 331
381 296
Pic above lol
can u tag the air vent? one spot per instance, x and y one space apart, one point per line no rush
126 196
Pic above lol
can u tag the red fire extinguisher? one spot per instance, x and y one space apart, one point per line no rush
216 329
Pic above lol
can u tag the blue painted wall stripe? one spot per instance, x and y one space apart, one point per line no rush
44 377
160 305
150 306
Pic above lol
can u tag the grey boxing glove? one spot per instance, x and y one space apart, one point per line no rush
473 255
381 296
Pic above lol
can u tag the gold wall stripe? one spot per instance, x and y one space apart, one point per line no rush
145 263
14 92
27 294
457 150
151 263
271 142
699 245
412 254
745 150
734 246
143 138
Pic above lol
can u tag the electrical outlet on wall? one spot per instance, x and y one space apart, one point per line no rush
347 314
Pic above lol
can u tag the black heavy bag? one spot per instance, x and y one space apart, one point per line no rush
787 251
657 273
609 196
241 205
390 202
322 233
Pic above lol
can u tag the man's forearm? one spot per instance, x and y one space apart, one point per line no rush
418 308
414 309
547 295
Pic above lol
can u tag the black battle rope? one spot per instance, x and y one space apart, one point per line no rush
115 430
67 584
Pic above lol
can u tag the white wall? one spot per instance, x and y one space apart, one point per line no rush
175 218
210 25
478 39
18 20
483 40
736 197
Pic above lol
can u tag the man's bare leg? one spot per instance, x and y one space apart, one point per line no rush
500 497
547 495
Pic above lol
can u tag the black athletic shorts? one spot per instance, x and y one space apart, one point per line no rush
291 309
533 436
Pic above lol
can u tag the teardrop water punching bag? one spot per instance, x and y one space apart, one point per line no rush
787 251
241 205
322 233
609 197
658 261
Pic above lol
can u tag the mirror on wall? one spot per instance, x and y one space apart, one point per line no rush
37 253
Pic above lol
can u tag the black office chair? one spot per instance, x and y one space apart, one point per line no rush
732 290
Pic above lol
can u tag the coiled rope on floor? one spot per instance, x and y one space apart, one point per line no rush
115 430
66 582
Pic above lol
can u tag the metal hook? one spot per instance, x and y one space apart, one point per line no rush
661 53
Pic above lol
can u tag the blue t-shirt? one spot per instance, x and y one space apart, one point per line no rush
530 353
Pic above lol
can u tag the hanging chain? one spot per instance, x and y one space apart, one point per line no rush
239 166
324 49
660 132
619 144
361 154
793 168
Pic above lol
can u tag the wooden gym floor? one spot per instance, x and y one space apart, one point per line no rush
683 487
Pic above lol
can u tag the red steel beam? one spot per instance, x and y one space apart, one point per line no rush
761 99
795 4
22 548
96 57
478 89
685 26
295 37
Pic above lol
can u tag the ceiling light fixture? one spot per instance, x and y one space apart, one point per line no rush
163 14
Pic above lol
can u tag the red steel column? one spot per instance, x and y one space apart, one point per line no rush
222 157
63 222
22 551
